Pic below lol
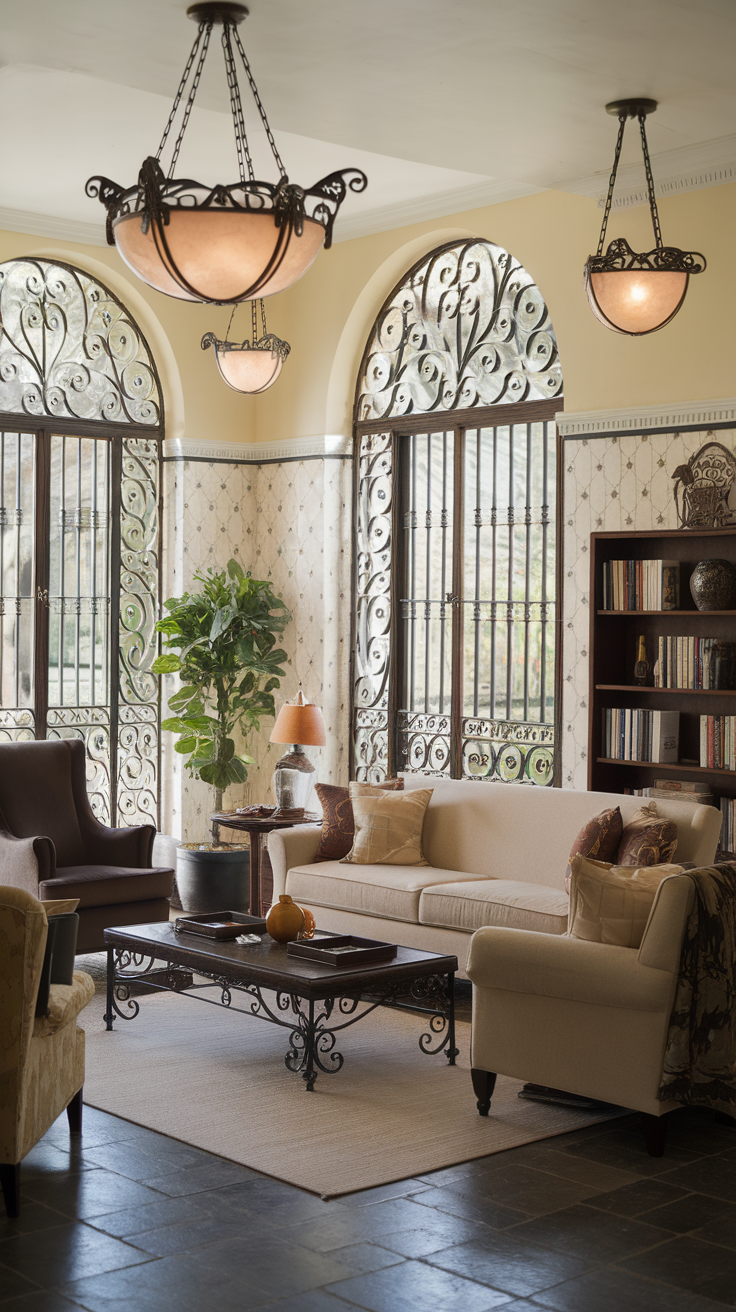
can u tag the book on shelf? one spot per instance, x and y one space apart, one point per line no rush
728 820
666 794
630 734
684 662
718 742
680 785
641 584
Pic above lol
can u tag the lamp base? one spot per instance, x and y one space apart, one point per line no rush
292 782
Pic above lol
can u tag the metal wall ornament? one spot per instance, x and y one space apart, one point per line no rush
251 366
637 293
703 488
226 243
467 327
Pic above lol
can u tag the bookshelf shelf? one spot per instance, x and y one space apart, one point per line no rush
613 653
663 768
675 692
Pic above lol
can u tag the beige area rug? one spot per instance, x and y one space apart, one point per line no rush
217 1080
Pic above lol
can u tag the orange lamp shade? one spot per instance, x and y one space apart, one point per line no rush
299 723
635 301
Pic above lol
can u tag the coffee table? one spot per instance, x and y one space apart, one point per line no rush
312 1001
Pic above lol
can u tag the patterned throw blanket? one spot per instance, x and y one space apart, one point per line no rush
700 1057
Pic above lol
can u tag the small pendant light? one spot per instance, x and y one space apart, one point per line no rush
249 366
630 293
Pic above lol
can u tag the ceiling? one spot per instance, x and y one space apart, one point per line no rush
445 104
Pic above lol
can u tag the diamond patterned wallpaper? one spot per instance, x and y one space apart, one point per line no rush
289 522
610 484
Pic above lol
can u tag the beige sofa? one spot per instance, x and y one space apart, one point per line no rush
497 853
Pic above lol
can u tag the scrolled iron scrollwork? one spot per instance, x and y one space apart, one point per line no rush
372 639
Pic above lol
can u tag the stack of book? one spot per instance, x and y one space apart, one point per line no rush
718 742
728 837
634 735
641 584
676 790
684 663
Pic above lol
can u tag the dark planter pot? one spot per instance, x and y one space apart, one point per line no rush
210 880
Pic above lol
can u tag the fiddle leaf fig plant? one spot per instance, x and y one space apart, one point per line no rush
223 641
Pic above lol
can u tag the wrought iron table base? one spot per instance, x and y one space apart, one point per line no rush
313 1025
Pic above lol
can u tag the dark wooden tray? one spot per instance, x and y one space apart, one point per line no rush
220 924
343 950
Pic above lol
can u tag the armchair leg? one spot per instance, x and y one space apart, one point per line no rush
655 1133
10 1181
484 1082
74 1113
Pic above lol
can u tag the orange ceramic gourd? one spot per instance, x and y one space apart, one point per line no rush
285 921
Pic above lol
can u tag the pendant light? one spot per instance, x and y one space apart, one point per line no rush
249 366
226 243
629 292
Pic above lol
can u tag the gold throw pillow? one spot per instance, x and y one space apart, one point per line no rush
611 904
388 826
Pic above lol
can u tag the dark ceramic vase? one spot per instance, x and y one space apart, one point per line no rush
713 585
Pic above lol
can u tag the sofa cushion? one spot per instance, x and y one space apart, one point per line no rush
599 838
392 892
611 904
388 826
338 823
104 886
649 839
471 904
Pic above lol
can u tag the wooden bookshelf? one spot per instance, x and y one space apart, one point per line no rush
613 638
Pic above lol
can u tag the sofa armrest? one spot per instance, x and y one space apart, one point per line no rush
26 862
553 965
661 942
291 847
65 1003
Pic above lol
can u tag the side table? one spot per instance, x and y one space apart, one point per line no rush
255 827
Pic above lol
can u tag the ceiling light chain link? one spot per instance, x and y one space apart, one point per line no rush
612 181
192 94
257 99
650 184
236 107
180 92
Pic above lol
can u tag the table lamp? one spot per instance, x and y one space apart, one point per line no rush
299 723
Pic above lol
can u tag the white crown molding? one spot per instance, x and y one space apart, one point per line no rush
635 419
257 453
430 207
690 168
48 225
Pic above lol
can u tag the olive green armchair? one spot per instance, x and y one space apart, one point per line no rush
41 1057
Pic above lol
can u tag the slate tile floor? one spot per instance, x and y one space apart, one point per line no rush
125 1220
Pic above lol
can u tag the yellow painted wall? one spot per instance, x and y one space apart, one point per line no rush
327 315
199 406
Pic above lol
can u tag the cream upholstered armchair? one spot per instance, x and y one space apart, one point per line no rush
588 1018
41 1057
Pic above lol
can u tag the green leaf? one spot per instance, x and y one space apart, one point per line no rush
175 725
185 746
166 664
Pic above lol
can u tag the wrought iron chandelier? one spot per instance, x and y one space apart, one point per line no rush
249 366
221 244
629 292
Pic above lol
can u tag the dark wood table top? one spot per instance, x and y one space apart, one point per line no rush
267 963
231 820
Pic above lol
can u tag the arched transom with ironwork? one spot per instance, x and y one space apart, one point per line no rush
81 414
455 552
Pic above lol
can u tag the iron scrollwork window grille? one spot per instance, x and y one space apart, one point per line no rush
81 414
455 632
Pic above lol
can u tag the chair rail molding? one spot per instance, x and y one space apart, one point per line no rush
663 417
327 447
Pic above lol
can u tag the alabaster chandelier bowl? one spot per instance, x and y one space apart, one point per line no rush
253 365
228 242
637 292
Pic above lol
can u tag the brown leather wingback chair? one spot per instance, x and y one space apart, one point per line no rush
52 845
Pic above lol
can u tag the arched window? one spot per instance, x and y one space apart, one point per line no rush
81 415
455 633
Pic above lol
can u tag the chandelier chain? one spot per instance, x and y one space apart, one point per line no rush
650 184
190 98
254 317
257 99
230 323
612 181
179 94
263 317
236 106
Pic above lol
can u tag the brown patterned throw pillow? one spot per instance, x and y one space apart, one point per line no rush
338 824
648 839
599 838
